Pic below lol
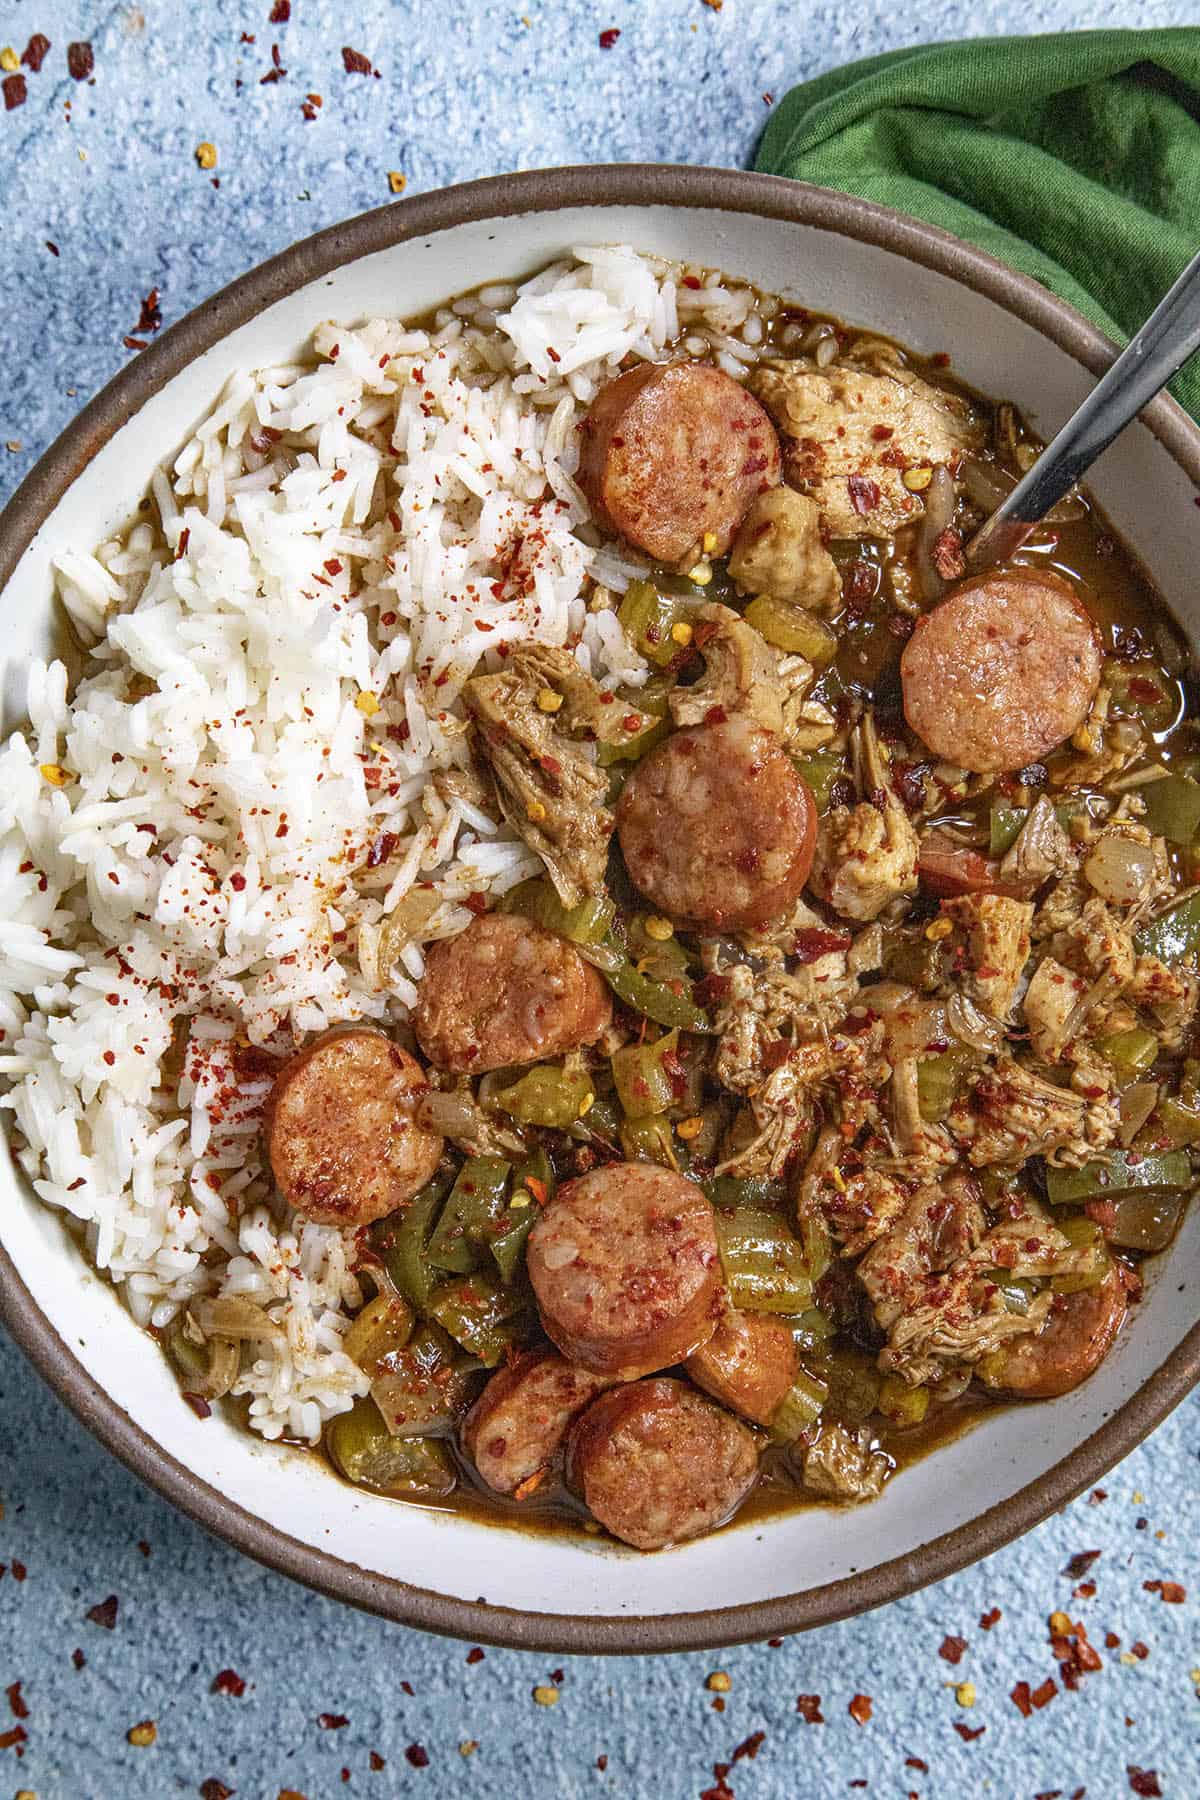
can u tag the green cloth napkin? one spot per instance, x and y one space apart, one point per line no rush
1073 157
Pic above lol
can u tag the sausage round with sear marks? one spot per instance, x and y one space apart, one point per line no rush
1077 1336
748 1364
672 456
656 1463
716 826
1001 671
342 1140
506 991
521 1418
625 1269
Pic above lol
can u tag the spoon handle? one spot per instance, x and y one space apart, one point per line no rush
1157 352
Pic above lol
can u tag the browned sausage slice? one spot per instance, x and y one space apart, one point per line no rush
506 991
341 1138
716 826
656 1463
748 1364
625 1269
1001 671
1074 1341
673 454
520 1419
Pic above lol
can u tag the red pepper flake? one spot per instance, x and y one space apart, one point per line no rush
951 1649
132 343
1171 1591
143 1546
813 943
228 1681
608 38
406 1687
1140 1650
968 1733
80 61
749 1746
280 13
184 539
602 1763
988 1619
1098 1496
79 1659
716 715
332 1721
948 557
52 248
15 92
475 1654
104 1613
476 903
1080 1563
1143 1781
19 1735
1020 1698
20 1710
915 1762
355 63
1043 1695
418 1756
809 1708
333 566
18 1569
860 1708
150 316
199 1405
377 1762
865 494
34 53
212 1789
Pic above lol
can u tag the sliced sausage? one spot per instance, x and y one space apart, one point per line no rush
656 1463
341 1138
716 826
1074 1341
948 869
748 1364
625 1268
1001 671
672 455
506 991
520 1419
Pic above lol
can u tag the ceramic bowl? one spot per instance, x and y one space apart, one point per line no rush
1008 336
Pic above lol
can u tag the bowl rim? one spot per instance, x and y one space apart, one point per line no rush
497 197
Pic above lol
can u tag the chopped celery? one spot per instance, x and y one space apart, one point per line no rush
900 1404
1174 934
812 1331
764 1263
1145 1221
549 1095
790 629
817 1242
938 1081
367 1454
647 617
475 1202
1141 689
644 1077
1082 1234
402 1239
663 958
586 923
480 1314
1180 1122
1172 808
424 1386
384 1324
820 771
602 1120
635 744
655 999
730 1191
1015 1294
1131 1053
799 1408
649 1140
1124 1170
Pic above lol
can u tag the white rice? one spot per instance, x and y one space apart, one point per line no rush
272 689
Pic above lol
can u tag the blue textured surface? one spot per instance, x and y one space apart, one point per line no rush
469 90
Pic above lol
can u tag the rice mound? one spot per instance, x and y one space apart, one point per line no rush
265 759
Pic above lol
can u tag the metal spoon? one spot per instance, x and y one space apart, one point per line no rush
1159 350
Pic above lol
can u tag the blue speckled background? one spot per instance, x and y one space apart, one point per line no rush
105 171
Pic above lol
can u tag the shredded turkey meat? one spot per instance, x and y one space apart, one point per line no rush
549 787
1011 1114
844 1464
997 939
866 855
